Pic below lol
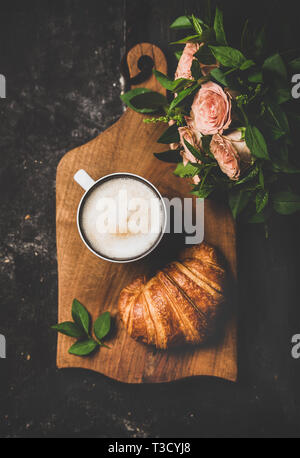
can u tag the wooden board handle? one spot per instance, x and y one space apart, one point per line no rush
135 65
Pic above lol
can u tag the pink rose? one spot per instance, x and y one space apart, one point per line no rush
187 134
185 61
211 110
226 155
242 149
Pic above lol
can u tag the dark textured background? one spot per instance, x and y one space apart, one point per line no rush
61 59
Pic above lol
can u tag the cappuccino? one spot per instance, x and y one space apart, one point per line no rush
122 218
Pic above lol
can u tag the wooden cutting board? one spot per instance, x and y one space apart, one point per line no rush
127 146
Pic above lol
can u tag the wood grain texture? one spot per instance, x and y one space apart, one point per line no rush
127 146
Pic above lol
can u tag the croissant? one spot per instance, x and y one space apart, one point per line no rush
180 304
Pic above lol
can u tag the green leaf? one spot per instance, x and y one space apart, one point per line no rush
194 151
168 83
208 12
219 76
294 65
205 56
83 348
186 171
182 22
285 167
197 25
275 133
206 140
196 70
68 328
227 56
170 135
204 192
275 66
126 98
258 218
180 83
149 100
81 316
164 80
282 94
281 163
261 200
261 178
178 54
251 174
182 95
256 77
256 142
246 37
172 156
247 64
286 202
238 201
276 119
102 325
190 38
219 28
260 41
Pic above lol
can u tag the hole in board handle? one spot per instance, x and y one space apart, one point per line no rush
145 64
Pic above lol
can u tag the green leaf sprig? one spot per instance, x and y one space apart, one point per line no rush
79 329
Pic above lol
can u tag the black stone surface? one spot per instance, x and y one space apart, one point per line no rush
61 60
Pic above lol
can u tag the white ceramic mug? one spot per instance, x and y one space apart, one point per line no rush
88 184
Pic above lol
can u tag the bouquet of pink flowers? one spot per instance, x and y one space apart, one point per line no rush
231 118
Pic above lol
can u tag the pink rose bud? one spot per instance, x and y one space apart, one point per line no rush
196 180
185 62
242 149
211 110
187 134
226 155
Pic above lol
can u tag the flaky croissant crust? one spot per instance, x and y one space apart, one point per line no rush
180 304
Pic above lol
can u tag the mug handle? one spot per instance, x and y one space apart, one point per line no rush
84 180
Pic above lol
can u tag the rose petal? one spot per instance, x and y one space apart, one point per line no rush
211 110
